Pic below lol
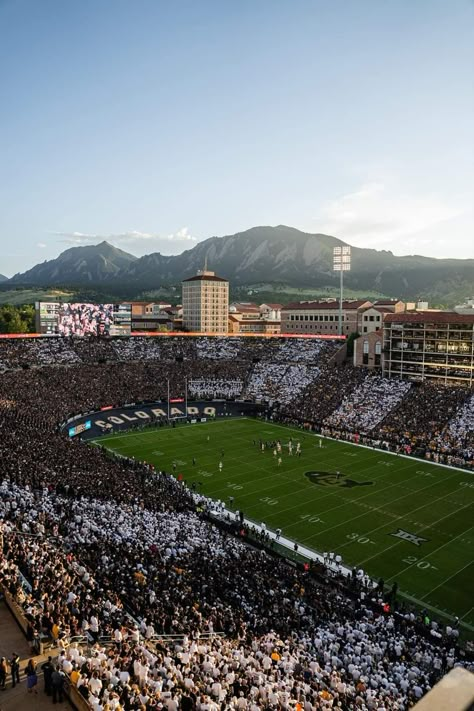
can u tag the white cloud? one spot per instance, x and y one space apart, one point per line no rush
182 235
380 217
76 237
41 245
139 241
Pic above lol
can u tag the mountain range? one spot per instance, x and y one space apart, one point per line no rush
278 255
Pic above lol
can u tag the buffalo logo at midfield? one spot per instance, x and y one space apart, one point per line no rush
333 479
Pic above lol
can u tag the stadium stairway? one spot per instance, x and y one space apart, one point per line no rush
12 640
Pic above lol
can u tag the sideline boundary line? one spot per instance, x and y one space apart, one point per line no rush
139 434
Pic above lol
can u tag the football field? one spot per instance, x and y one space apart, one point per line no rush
397 518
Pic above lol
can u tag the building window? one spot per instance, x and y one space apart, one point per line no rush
365 356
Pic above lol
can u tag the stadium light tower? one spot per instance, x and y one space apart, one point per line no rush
341 264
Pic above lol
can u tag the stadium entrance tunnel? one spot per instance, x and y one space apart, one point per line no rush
91 425
334 479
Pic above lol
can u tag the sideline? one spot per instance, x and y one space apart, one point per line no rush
410 457
288 543
372 449
311 554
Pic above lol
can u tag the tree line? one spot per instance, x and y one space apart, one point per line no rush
17 319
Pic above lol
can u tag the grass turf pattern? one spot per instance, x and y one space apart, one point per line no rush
355 515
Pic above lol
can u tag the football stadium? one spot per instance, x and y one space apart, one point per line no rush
210 522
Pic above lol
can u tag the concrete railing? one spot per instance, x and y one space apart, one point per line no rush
455 692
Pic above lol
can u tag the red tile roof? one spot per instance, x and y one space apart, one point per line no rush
330 305
246 308
430 317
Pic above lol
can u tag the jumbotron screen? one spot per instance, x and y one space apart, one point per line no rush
79 319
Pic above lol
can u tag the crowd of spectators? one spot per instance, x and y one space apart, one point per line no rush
29 352
281 382
210 388
136 569
97 547
427 419
324 395
368 404
423 419
458 436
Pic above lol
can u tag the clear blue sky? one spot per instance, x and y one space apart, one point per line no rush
157 124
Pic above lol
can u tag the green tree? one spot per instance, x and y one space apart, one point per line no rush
350 344
16 319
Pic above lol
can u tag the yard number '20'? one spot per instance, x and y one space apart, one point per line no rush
421 564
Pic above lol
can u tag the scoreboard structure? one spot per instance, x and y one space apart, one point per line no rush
80 428
59 318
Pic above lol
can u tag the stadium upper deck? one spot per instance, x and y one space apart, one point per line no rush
301 378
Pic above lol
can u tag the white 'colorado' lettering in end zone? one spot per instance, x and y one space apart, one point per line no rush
156 412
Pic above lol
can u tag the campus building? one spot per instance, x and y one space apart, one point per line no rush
322 317
368 350
206 303
251 318
434 345
151 316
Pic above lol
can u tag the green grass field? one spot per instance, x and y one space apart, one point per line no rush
357 515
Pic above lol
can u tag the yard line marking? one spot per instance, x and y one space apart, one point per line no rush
318 498
381 475
413 459
446 580
467 613
435 550
242 431
346 503
378 508
422 529
213 492
154 430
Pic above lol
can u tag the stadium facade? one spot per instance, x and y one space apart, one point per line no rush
430 345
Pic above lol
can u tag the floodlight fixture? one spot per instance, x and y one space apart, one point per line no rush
341 263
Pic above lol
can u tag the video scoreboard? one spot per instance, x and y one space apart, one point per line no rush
79 429
59 318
